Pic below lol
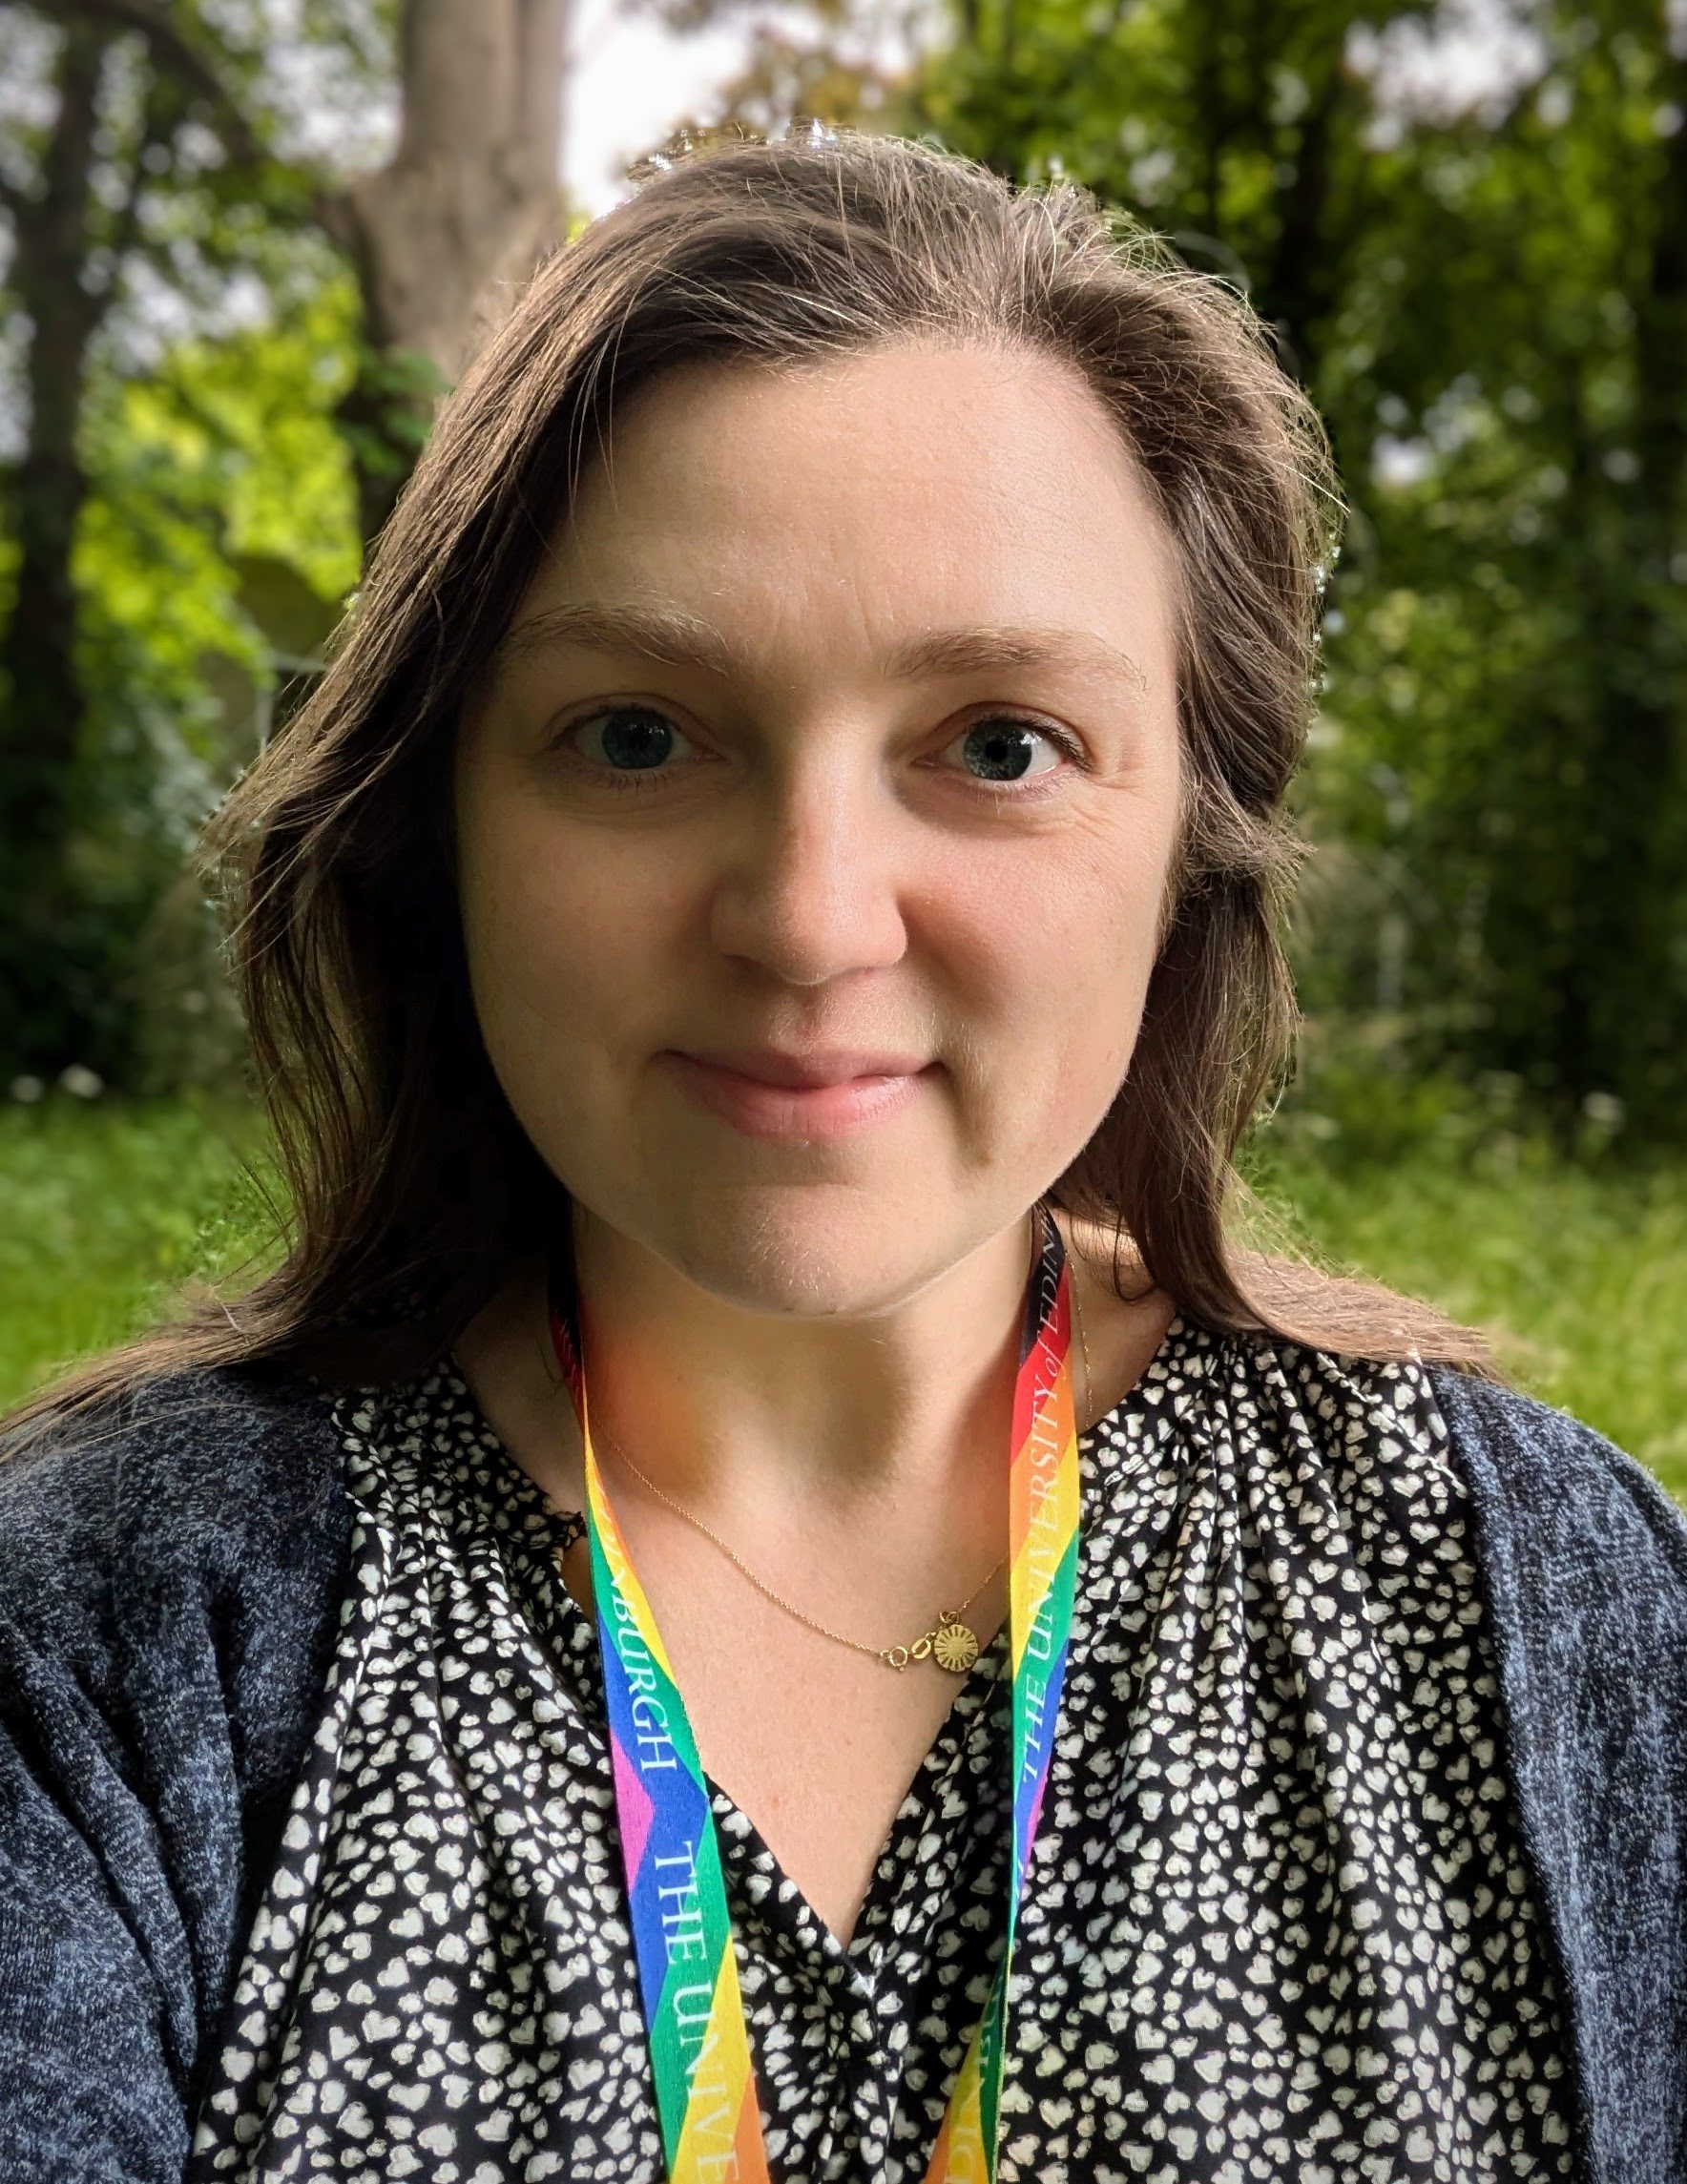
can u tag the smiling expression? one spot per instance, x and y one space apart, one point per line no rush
843 713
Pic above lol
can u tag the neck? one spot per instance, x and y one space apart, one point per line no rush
725 1406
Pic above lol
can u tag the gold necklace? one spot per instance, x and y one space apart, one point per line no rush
951 1643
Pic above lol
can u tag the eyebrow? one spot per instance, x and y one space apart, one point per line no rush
677 638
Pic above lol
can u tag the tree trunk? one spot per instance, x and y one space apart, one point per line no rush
1308 264
469 203
46 490
1629 843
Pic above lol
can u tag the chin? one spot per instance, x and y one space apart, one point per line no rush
812 1249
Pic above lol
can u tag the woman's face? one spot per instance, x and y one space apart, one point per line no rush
801 841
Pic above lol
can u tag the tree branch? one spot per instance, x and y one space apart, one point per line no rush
178 57
127 222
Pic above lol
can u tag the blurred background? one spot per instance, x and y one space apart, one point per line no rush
245 244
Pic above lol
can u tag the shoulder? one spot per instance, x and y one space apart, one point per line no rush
173 1562
210 1497
1524 1454
1585 1563
1581 1550
1536 1453
239 1450
1332 1404
1550 1496
1569 1522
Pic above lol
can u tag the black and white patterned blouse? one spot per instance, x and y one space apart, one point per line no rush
1277 1925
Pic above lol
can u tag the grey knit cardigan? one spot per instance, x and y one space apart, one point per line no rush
170 1590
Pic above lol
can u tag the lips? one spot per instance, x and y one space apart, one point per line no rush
839 1108
829 1066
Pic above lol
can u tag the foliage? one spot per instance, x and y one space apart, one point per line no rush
161 194
1579 1269
226 448
386 417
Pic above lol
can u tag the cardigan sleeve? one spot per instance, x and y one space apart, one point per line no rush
168 1597
1584 1561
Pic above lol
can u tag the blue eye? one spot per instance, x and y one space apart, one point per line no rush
635 739
638 735
1000 740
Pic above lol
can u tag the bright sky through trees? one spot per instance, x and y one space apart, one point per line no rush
634 80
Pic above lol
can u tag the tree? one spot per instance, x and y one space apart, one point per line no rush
71 234
833 68
470 201
169 147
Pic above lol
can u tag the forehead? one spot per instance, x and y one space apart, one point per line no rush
881 498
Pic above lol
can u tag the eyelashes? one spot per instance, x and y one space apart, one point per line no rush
647 780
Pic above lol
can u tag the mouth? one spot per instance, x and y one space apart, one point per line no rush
809 1071
758 1108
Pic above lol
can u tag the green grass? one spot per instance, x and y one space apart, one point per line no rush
1578 1271
107 1209
1577 1274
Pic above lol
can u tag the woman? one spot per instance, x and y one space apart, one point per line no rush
759 952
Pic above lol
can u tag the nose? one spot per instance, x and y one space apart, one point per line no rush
811 875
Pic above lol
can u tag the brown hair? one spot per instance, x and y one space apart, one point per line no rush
412 1187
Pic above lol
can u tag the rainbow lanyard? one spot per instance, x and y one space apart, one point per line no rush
705 2085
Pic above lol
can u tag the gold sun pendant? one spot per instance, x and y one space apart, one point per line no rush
953 1646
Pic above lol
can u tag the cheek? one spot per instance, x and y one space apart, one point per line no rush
560 949
1047 959
1105 960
